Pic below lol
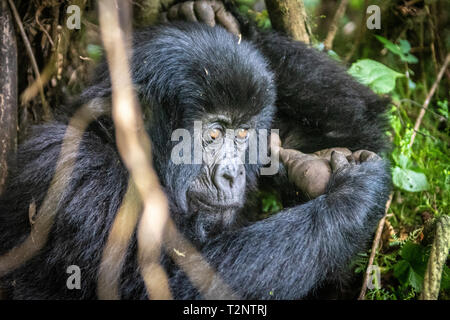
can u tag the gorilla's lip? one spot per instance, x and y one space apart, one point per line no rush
225 204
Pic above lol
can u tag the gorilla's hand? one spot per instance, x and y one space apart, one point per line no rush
209 12
312 172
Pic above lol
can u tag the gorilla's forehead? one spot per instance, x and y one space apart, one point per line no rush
199 69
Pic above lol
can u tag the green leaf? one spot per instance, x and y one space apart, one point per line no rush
401 50
409 180
377 76
94 51
401 271
404 46
413 253
392 47
404 161
409 58
411 270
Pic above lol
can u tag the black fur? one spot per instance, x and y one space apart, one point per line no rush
286 256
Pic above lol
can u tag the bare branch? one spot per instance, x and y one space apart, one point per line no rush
334 24
428 99
374 249
46 108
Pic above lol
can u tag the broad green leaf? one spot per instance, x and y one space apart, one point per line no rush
409 180
401 271
411 269
377 76
413 253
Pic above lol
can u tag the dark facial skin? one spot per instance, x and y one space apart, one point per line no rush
218 192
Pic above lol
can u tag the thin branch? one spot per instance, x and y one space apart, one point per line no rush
334 25
46 108
373 252
362 31
428 99
135 149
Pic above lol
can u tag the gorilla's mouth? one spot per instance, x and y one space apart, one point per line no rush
200 202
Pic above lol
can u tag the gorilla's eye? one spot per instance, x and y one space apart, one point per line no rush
242 133
214 134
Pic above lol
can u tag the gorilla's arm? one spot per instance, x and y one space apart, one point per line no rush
290 254
320 105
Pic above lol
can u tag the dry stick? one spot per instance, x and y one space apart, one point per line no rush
156 225
376 241
334 25
428 99
134 147
374 249
47 112
362 31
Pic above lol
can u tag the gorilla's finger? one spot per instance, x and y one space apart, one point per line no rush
275 142
187 11
367 156
163 17
225 18
351 159
326 153
173 12
205 12
338 161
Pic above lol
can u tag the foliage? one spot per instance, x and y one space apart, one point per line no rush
420 174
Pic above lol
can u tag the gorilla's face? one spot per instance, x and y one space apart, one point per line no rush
218 191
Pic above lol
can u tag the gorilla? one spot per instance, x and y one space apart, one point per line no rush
186 72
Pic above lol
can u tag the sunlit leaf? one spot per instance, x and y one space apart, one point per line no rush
377 76
409 180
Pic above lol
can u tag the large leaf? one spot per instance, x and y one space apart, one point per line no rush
409 180
411 270
377 76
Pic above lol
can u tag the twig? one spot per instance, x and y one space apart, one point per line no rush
135 149
375 244
428 99
155 228
334 24
36 16
47 112
362 31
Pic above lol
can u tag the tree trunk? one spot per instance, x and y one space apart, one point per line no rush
289 16
8 89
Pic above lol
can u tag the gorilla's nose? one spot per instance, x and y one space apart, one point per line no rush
229 177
